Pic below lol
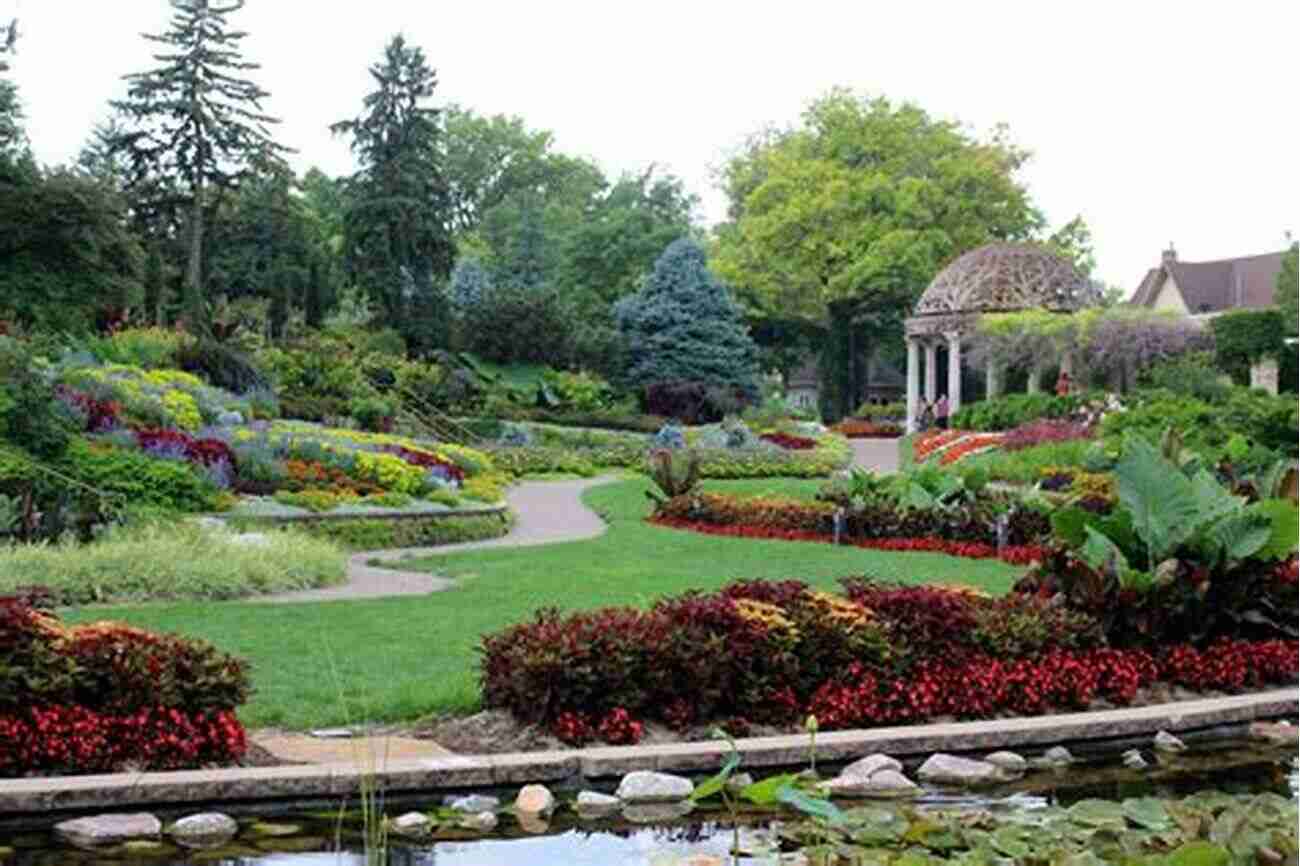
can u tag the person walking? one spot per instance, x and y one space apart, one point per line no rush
1063 384
941 412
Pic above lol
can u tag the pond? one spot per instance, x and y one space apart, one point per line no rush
1240 795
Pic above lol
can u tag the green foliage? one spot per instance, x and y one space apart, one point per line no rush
1270 422
1012 410
684 327
376 534
864 198
66 254
1193 375
31 417
149 348
1287 294
177 560
139 479
1242 337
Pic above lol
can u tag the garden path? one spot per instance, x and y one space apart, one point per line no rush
546 512
878 454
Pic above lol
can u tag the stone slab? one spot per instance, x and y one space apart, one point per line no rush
120 791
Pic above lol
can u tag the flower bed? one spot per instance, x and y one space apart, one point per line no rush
770 652
102 696
1022 554
969 531
926 444
789 441
858 428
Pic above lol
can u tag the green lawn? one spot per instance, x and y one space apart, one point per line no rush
401 658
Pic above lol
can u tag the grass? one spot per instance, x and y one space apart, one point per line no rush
1026 466
402 658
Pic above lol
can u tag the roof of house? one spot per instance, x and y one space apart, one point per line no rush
1210 287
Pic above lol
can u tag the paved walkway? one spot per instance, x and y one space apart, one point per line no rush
878 454
546 512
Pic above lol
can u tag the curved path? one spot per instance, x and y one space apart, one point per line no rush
546 512
878 454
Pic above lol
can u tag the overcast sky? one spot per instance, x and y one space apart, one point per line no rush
1157 121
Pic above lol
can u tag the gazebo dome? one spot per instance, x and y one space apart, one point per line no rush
1001 278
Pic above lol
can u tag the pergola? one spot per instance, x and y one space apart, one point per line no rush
996 278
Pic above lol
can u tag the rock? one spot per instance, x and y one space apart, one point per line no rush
251 539
1275 732
593 804
483 822
211 524
1133 760
535 800
532 822
739 782
870 765
332 733
1009 762
204 830
944 769
97 830
656 813
643 786
474 803
882 785
1057 756
411 824
1167 742
230 419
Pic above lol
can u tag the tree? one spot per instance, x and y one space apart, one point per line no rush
864 201
1073 241
491 160
396 227
683 326
1287 293
13 139
197 124
609 251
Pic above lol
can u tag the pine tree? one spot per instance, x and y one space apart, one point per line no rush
684 327
395 229
197 124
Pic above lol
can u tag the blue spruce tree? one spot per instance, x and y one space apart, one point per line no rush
684 327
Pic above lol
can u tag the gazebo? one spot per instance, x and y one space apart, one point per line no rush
995 278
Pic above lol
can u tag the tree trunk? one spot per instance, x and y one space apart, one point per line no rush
194 272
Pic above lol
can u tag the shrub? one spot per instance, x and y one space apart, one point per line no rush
102 695
377 534
1262 418
1047 430
1026 465
790 442
149 348
881 411
857 429
692 402
170 561
134 477
1012 410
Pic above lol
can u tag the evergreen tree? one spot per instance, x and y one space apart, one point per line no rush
197 125
683 326
1286 294
314 300
470 284
13 140
395 232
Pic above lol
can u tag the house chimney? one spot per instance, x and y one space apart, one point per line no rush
1169 255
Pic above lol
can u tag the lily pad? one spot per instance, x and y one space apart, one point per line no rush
1011 842
1199 853
1097 813
1147 812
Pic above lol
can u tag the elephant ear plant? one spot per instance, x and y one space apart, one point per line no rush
1180 556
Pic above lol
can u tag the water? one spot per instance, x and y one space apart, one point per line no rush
1233 767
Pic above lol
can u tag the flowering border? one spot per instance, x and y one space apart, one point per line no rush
1012 554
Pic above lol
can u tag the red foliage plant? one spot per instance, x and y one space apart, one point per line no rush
206 452
856 428
790 442
426 460
1042 431
102 695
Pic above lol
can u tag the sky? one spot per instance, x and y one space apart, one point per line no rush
1156 121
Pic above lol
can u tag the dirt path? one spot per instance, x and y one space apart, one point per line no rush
546 512
878 454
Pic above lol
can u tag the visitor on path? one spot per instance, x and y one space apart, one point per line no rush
941 412
1063 385
926 421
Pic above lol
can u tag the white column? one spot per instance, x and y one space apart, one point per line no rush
931 372
954 373
1035 380
913 383
992 380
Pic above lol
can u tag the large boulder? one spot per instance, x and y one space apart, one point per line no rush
643 786
870 765
944 769
96 831
204 830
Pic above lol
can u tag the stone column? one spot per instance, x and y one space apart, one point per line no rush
1035 380
913 382
1263 374
992 380
954 372
931 372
